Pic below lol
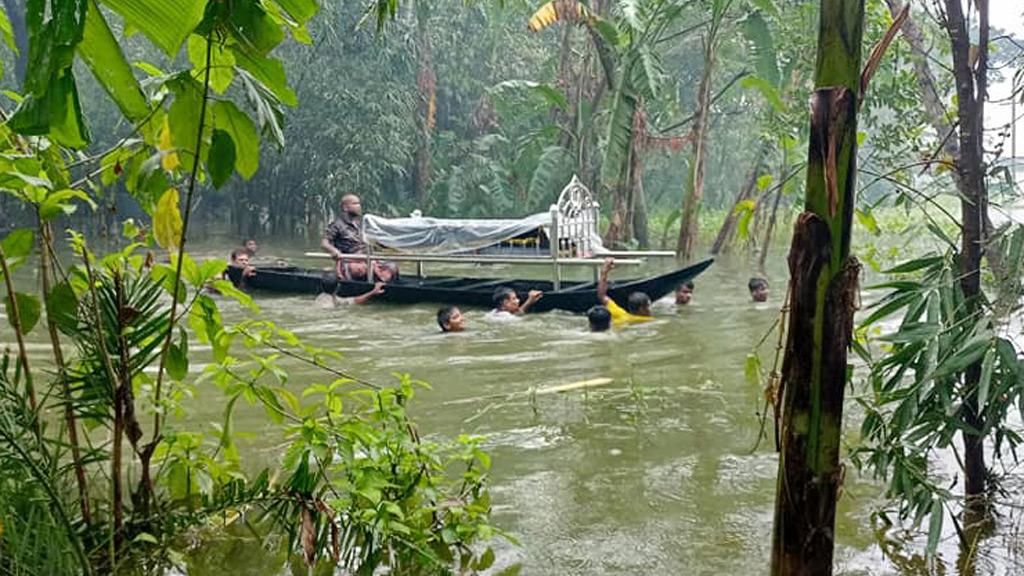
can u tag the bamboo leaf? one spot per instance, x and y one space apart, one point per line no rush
914 265
7 32
986 378
867 220
934 527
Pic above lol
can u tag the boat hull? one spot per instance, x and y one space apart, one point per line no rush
477 292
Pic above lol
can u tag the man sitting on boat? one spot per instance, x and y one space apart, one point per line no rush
638 305
344 237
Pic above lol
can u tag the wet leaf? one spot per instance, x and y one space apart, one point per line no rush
62 307
934 527
177 358
246 140
28 311
165 22
986 378
221 161
167 221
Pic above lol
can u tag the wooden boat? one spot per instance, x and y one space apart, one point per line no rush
572 296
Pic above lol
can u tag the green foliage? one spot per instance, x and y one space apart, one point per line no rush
915 403
355 467
28 310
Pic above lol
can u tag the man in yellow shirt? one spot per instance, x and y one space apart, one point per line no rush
638 305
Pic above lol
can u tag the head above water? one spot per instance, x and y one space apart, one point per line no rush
600 319
351 206
251 246
450 319
684 293
639 303
385 271
239 258
505 299
758 289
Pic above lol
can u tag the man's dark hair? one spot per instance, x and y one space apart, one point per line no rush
637 301
600 318
756 282
688 284
236 253
444 315
501 293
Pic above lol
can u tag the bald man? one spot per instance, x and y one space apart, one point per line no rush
343 237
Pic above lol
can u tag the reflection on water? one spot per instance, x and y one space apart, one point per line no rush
654 473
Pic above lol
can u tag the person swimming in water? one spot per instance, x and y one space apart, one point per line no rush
327 300
599 318
638 305
758 289
450 319
684 293
506 300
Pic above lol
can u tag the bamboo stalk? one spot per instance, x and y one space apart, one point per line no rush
46 264
15 317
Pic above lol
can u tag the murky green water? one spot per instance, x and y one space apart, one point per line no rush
655 473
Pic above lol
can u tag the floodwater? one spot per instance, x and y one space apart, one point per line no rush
654 473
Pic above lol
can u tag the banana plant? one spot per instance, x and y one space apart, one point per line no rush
625 41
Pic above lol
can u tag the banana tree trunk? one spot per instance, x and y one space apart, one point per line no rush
822 298
688 223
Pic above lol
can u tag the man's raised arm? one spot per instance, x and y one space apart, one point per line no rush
602 281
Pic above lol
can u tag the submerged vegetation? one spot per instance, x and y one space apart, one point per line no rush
129 125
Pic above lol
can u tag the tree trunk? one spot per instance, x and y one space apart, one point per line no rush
426 83
688 222
971 90
636 176
766 245
46 272
725 233
822 299
16 14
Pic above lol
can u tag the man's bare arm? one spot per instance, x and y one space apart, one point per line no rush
602 280
378 288
532 297
328 247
